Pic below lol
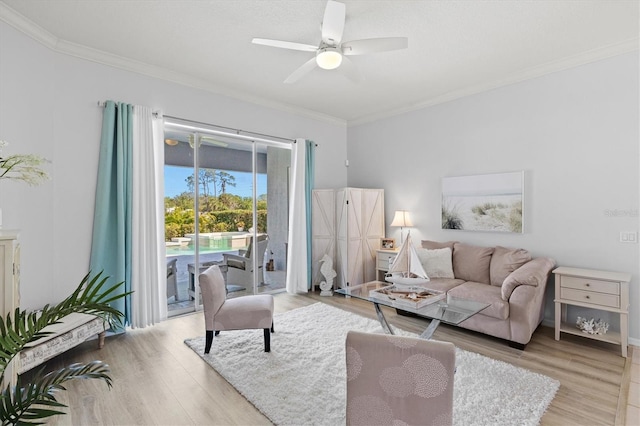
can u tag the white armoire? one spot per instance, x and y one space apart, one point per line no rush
9 284
353 233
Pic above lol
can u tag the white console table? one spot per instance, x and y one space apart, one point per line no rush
589 288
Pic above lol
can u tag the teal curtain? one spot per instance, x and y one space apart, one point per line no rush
111 244
309 169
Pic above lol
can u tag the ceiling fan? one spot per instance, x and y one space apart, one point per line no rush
332 52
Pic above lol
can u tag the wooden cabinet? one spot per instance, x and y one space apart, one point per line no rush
589 288
383 258
10 271
359 228
347 225
9 282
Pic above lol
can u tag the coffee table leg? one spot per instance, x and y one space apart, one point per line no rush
382 319
428 332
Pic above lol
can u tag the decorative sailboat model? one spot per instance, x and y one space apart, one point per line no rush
406 270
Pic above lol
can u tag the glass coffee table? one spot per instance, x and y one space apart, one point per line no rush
451 310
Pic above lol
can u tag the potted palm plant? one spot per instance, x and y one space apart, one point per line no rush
28 403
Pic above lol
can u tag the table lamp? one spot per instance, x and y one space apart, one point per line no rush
401 219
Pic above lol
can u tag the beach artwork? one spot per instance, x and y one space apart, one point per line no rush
490 202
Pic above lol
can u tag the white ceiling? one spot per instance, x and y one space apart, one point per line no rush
456 48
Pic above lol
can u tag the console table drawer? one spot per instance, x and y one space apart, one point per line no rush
610 300
586 284
383 260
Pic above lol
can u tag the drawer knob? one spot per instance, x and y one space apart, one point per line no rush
587 285
587 297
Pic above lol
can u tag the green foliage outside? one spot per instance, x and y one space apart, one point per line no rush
222 213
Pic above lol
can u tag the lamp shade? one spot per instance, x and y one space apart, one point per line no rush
401 218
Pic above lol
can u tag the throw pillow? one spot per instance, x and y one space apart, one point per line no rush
436 263
433 245
471 263
504 261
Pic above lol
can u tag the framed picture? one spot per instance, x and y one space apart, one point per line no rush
387 243
491 202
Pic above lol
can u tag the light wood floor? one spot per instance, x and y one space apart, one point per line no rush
158 380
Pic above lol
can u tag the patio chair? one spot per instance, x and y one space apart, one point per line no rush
172 279
240 266
398 380
239 313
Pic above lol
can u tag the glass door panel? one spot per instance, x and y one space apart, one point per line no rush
238 191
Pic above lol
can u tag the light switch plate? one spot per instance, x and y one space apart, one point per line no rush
628 237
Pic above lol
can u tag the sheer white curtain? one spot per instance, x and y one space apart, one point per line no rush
297 270
148 271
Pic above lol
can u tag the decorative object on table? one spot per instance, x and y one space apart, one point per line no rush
406 269
387 243
326 268
485 389
412 297
592 326
37 398
490 202
401 218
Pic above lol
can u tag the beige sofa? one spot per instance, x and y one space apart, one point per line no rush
508 279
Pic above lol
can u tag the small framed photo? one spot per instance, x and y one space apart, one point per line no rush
387 243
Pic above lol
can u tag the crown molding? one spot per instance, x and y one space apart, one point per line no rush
24 25
573 61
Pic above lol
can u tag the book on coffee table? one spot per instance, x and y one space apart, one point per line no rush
412 297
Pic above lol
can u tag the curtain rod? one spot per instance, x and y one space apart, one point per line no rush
237 132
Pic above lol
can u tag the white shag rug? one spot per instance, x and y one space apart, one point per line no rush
302 380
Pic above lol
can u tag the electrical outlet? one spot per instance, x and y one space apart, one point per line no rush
628 237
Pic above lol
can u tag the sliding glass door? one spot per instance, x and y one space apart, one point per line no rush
226 203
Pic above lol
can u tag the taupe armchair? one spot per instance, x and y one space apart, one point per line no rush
238 313
240 267
398 380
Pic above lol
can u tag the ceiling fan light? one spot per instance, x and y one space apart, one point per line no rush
329 58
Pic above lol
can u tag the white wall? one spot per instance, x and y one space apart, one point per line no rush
48 106
575 133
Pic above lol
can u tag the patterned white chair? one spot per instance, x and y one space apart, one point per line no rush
394 380
239 313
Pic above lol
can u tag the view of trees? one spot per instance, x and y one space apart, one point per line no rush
219 210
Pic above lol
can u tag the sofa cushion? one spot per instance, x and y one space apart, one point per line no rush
504 261
436 263
443 284
471 263
484 293
532 273
433 245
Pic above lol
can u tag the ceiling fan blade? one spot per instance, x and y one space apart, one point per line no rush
374 45
300 72
333 23
285 44
349 69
